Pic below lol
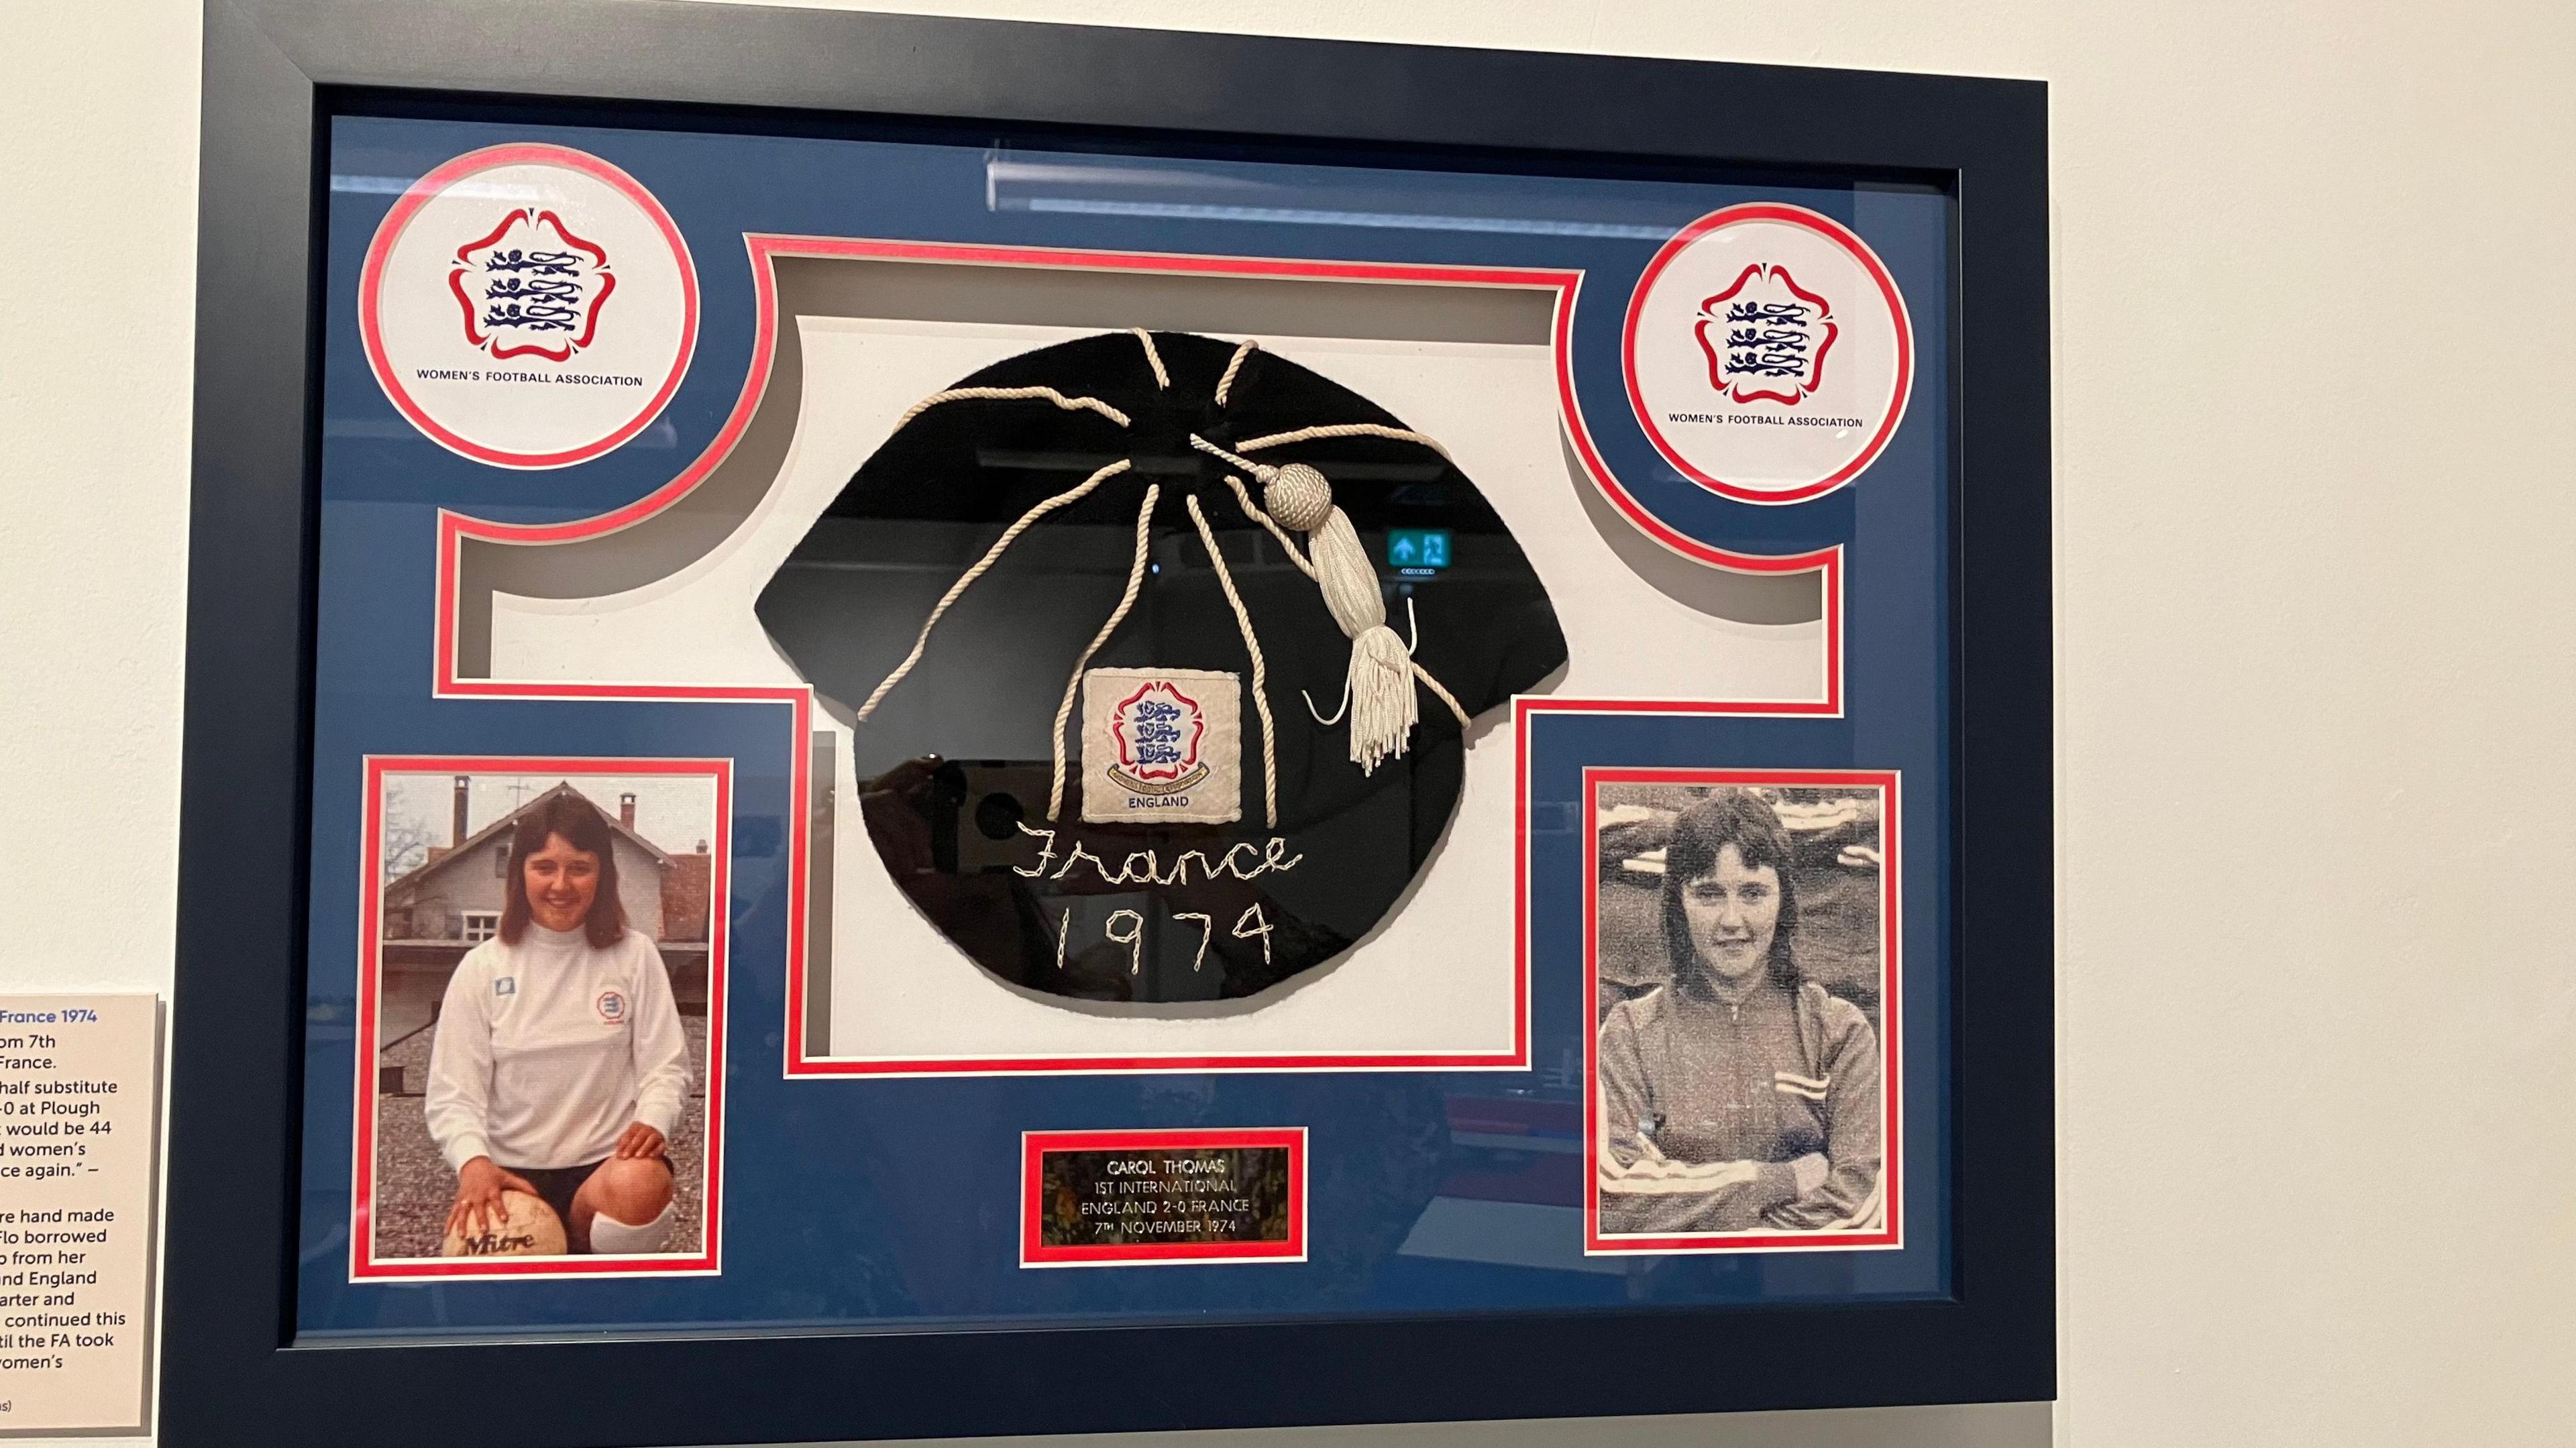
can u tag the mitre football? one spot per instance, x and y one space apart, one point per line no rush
523 1227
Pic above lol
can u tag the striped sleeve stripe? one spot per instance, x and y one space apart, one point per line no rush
1716 1177
1662 1167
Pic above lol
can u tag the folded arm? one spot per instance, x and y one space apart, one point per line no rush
1643 1191
1847 1196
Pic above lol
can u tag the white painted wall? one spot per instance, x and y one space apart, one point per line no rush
2317 661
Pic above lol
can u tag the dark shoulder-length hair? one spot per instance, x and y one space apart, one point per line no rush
1742 819
584 828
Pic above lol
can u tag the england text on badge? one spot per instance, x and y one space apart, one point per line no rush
1162 745
1768 353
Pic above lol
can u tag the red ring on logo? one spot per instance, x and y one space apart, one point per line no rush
1840 235
427 188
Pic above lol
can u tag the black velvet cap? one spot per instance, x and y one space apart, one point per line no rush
955 763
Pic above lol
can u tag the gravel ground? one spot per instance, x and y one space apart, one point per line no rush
414 1188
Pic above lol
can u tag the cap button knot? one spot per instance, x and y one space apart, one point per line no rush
1299 497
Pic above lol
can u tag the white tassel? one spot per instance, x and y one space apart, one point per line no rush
1383 709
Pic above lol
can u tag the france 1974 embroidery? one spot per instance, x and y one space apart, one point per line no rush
1162 745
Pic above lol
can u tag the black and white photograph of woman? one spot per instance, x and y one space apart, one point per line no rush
1738 984
551 1101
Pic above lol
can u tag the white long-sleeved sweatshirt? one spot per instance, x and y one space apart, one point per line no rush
548 1049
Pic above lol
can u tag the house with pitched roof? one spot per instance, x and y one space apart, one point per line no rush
451 902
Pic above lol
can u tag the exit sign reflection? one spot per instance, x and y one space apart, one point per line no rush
1417 550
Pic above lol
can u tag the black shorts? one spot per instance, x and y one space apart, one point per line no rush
557 1185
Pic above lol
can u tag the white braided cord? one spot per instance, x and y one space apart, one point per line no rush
1153 355
1252 510
1340 429
956 590
1226 383
1260 471
1006 394
1260 670
1446 697
1117 616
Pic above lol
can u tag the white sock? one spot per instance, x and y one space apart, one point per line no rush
614 1238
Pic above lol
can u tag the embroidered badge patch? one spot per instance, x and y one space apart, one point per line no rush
1162 745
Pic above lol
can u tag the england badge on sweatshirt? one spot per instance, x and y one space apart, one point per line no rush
1162 745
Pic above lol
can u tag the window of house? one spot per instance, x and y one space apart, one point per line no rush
501 863
481 925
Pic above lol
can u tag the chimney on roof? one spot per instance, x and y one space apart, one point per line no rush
456 823
702 847
626 810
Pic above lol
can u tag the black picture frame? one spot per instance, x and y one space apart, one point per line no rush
275 70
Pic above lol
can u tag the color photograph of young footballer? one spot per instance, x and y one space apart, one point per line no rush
542 1029
1740 940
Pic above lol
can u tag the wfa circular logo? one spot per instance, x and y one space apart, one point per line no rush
528 306
1768 353
612 1007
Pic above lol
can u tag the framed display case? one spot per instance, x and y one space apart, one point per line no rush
905 727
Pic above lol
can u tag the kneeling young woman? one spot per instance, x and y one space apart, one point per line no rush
559 1068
